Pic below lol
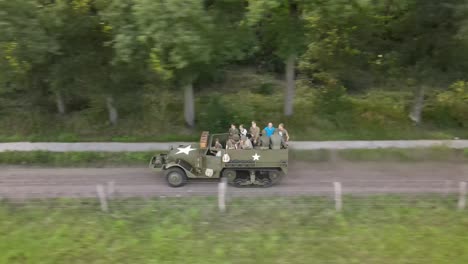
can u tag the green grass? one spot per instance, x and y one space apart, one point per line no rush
299 134
319 134
319 114
101 159
388 154
104 137
76 159
295 230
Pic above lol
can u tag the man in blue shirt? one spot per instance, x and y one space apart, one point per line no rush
269 129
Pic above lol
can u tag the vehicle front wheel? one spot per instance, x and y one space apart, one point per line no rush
176 177
230 175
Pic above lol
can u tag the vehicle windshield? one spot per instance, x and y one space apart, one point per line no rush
223 138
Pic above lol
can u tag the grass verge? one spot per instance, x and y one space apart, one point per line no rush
385 229
102 159
75 159
388 154
72 137
302 134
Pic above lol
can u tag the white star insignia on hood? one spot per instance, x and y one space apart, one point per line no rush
185 150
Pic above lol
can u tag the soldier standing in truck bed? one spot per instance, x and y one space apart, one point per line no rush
255 133
242 131
233 131
234 135
284 134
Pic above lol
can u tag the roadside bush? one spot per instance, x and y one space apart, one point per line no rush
213 115
325 112
160 106
246 106
450 107
332 103
381 109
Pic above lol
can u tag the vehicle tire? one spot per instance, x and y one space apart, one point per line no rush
230 175
176 177
276 176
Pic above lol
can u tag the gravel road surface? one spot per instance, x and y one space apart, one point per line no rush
304 178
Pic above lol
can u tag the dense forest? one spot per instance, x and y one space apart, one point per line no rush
167 69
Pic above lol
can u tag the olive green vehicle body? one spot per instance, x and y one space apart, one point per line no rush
202 161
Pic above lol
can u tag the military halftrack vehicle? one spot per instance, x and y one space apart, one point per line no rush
257 167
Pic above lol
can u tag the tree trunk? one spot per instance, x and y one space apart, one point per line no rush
290 86
189 105
60 103
418 106
113 114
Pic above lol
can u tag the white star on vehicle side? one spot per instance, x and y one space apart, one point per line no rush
185 150
256 156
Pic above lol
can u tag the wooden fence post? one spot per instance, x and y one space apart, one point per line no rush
102 197
222 186
447 185
110 189
462 197
338 200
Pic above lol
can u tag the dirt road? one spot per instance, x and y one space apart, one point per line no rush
304 178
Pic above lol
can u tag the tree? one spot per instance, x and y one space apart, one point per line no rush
24 46
389 43
179 39
425 40
82 58
279 24
58 47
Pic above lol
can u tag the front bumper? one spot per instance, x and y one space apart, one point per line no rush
158 162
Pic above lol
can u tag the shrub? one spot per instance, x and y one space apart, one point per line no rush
450 107
333 103
380 109
213 114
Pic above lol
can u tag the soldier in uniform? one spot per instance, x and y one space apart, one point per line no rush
233 131
264 141
236 139
245 143
217 144
230 144
255 133
276 140
234 135
243 131
284 134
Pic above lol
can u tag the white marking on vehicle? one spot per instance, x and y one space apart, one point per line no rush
185 150
256 157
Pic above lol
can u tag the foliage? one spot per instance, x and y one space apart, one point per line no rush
357 64
75 159
280 25
332 102
381 109
450 107
215 116
373 116
374 229
140 159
